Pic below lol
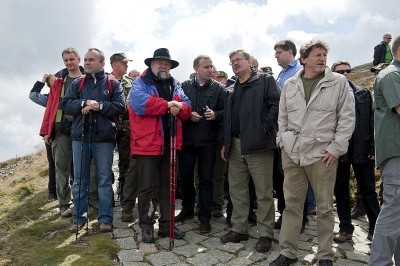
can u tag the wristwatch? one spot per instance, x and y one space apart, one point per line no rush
100 106
83 104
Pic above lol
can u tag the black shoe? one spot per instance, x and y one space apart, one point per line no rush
342 237
252 218
325 263
234 237
178 234
283 261
264 244
181 217
205 227
278 223
147 236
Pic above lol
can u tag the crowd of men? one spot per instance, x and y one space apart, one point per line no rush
302 131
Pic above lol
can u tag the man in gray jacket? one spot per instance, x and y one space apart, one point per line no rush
316 118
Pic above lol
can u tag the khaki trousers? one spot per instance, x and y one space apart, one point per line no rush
259 166
322 180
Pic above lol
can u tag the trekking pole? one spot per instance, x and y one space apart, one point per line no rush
90 160
172 179
80 177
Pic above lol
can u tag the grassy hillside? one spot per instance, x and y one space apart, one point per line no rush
32 232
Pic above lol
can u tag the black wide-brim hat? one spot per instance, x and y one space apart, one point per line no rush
163 54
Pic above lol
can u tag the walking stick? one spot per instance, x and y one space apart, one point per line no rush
172 179
80 177
90 160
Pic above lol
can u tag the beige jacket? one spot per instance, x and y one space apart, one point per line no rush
324 124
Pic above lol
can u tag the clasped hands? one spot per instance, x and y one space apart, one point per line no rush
91 105
208 114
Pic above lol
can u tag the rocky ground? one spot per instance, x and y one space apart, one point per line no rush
198 249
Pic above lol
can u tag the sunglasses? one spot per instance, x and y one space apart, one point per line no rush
343 71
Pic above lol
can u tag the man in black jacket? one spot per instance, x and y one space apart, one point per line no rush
200 138
383 52
250 124
360 155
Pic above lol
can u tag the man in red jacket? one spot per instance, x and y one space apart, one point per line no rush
154 96
55 129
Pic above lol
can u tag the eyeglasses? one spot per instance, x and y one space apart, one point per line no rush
236 60
279 52
343 71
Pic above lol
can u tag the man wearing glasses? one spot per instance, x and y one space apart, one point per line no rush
382 52
361 156
250 123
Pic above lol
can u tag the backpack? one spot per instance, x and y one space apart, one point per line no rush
110 83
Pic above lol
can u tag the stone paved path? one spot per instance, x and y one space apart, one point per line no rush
197 249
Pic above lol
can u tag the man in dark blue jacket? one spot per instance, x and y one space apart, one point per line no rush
200 138
94 100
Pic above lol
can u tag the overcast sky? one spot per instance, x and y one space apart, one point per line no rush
33 34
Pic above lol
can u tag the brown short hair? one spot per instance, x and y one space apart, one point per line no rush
70 50
246 55
286 45
196 61
307 47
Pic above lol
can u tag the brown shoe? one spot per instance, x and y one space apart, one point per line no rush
205 227
264 244
342 237
105 227
181 217
234 237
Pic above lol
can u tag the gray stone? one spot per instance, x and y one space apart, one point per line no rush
130 255
193 237
189 250
222 256
231 247
252 255
202 259
354 256
212 243
240 262
146 248
164 243
163 258
126 243
123 233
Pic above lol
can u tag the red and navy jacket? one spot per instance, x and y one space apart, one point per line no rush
145 116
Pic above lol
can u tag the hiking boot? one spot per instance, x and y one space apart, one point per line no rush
217 213
205 227
264 244
325 263
283 261
234 237
147 236
342 237
278 223
126 216
182 216
65 211
72 229
105 227
178 234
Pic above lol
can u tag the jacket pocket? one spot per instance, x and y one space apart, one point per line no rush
288 140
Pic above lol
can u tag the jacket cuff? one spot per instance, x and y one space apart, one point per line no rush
37 87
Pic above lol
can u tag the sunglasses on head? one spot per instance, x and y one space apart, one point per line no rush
343 71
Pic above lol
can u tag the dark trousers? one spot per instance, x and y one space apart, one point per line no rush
130 190
364 174
124 156
153 175
51 186
278 180
205 156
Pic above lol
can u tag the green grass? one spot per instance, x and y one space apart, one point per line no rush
33 233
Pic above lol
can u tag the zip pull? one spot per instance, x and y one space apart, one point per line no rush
94 77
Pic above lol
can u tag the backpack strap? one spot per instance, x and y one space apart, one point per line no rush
110 83
81 83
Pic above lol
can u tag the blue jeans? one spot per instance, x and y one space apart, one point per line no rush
102 154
